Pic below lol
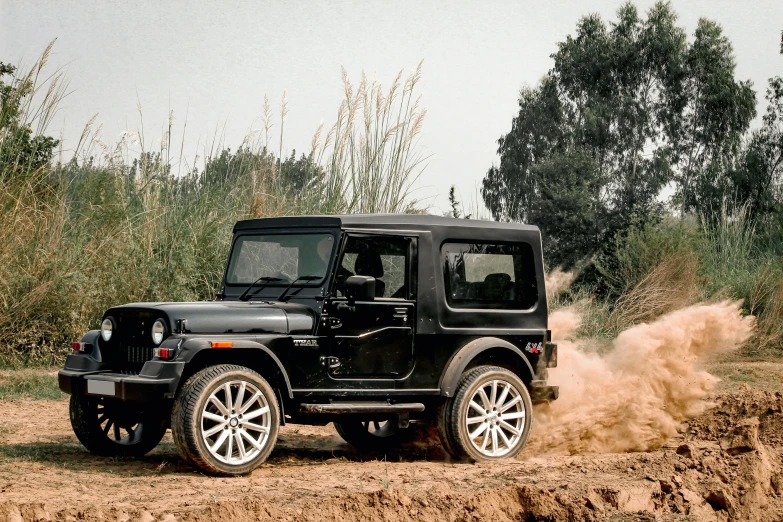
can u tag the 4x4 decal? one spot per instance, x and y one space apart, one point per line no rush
534 347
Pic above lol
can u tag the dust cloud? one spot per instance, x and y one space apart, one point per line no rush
558 281
637 394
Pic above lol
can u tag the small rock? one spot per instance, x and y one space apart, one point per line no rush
146 516
719 499
691 496
677 481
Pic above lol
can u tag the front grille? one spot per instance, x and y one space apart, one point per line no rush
137 354
132 345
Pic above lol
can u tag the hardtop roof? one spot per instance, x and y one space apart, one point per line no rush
378 221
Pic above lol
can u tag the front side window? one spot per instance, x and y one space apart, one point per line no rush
384 257
283 256
485 275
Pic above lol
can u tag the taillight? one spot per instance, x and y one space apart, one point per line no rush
551 355
77 346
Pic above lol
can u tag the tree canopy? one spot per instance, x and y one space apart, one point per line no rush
629 108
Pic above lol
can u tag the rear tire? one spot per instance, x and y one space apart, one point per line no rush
113 428
226 420
489 417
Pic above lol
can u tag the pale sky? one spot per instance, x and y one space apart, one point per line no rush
214 61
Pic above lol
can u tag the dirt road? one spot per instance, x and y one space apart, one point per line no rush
727 464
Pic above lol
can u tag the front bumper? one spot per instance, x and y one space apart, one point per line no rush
157 380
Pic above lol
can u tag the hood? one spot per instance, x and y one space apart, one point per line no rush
216 317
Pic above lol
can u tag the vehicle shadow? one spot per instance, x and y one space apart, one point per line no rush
294 448
421 444
66 452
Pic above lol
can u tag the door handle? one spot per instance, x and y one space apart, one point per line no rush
401 313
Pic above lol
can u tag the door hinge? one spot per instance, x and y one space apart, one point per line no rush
330 362
331 322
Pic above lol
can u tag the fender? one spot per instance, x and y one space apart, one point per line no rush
451 375
242 347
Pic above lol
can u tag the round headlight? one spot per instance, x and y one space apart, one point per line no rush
158 329
107 326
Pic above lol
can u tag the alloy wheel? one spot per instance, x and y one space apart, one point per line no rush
495 418
236 422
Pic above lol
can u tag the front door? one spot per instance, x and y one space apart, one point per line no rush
374 339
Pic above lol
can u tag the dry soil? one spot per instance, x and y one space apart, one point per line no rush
726 464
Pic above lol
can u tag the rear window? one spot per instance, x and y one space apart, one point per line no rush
490 275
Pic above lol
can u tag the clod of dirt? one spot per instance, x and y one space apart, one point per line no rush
743 439
688 451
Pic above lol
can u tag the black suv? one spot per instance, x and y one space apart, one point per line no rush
367 321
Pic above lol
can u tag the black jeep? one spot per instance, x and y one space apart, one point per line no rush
367 321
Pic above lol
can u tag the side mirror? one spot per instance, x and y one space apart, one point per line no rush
360 288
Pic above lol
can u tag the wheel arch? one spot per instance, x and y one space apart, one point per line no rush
257 357
486 350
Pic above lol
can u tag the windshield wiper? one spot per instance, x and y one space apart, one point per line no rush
265 279
300 278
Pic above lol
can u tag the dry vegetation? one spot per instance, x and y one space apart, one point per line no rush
126 222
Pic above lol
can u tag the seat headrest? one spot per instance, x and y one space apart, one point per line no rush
368 264
500 278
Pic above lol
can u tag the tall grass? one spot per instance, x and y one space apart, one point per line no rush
128 222
659 268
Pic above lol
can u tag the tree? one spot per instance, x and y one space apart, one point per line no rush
633 107
757 179
20 149
718 114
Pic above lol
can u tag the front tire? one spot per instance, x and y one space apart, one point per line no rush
113 428
489 417
226 420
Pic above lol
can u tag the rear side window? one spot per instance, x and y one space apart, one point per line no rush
490 275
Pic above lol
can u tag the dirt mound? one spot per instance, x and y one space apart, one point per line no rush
748 402
503 504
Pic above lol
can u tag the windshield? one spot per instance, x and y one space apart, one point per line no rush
282 256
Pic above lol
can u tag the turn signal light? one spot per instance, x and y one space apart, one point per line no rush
80 347
163 353
221 344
